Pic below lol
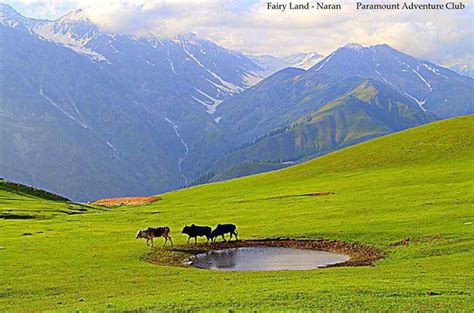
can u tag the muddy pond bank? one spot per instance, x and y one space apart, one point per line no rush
360 255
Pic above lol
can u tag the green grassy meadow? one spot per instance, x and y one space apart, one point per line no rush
416 184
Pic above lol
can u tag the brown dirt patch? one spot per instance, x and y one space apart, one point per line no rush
316 194
404 242
126 201
360 255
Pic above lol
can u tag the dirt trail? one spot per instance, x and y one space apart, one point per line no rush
126 201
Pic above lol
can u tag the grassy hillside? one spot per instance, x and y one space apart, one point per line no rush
20 202
416 185
29 191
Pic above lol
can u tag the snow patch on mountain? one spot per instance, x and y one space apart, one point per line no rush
170 61
414 71
60 109
419 102
111 147
271 64
354 46
229 87
463 69
70 40
75 108
211 108
186 149
422 79
252 79
324 62
308 61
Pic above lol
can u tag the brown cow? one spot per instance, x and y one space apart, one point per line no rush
153 232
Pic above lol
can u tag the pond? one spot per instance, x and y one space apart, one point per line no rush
266 259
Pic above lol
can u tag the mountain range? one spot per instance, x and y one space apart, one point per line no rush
272 64
290 121
463 69
91 114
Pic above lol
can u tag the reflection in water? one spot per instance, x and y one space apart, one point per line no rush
223 259
266 259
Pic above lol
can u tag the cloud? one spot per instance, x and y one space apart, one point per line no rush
444 37
45 9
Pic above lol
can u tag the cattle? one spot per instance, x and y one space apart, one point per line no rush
194 231
222 229
153 232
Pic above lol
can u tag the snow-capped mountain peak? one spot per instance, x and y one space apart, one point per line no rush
273 64
75 34
9 16
76 15
354 46
187 37
464 69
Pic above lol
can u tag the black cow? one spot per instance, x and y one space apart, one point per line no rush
222 229
194 231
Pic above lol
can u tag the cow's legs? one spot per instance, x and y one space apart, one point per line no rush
166 239
147 242
195 240
223 238
230 238
151 242
236 238
170 240
189 239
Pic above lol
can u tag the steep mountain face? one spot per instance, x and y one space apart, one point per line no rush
69 127
90 114
272 64
435 89
463 69
370 110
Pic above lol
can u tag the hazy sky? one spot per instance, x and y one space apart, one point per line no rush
445 37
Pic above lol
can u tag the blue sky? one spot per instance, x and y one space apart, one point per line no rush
444 37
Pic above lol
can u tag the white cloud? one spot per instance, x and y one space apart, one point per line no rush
444 37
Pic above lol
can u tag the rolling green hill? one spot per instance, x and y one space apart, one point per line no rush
414 186
20 202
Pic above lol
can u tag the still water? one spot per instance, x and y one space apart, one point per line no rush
266 259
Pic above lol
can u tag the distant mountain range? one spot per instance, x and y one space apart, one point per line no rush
463 69
90 114
291 93
271 64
